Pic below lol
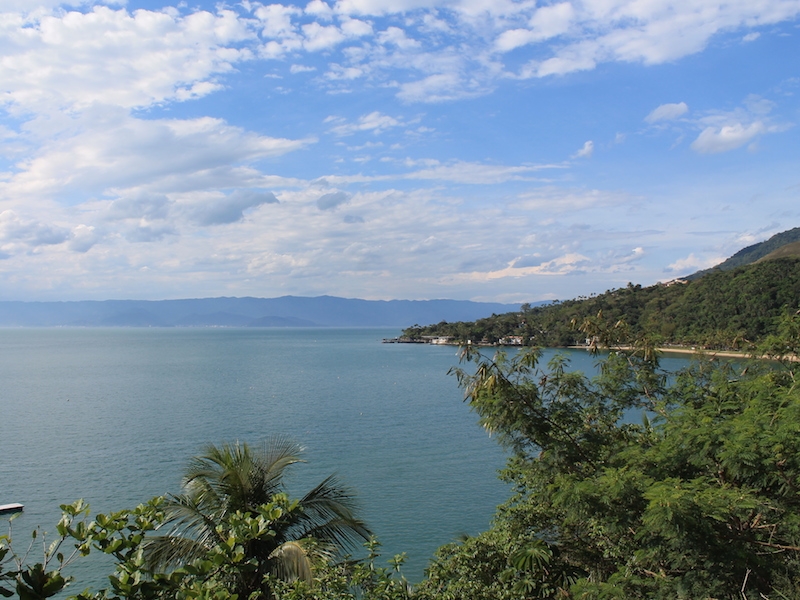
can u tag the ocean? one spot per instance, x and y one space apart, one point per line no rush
112 416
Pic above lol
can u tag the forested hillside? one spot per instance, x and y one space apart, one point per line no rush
723 309
753 253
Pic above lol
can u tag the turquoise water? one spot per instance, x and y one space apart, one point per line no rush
112 415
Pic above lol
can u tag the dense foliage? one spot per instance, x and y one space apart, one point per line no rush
725 309
235 479
698 499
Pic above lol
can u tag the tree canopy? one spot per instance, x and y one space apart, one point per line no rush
723 309
636 483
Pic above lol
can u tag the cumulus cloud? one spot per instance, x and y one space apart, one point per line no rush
721 130
319 9
276 20
649 33
321 37
447 50
16 230
713 140
667 112
116 151
84 237
545 23
115 57
96 142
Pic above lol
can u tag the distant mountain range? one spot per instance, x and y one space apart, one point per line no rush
286 311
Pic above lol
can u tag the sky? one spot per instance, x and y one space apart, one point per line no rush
488 150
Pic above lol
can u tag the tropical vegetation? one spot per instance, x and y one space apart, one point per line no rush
725 309
232 480
636 483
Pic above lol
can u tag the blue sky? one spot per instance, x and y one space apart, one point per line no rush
493 150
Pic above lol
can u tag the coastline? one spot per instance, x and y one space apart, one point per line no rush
445 341
711 353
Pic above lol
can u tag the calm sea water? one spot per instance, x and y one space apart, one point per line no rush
112 415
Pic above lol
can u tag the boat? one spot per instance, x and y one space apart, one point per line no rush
10 508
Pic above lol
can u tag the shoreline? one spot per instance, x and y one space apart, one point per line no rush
711 353
661 349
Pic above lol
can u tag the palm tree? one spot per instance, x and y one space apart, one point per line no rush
233 477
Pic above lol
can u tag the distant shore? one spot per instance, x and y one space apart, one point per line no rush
678 350
445 341
712 353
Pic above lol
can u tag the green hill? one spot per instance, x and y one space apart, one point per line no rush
753 253
789 250
724 309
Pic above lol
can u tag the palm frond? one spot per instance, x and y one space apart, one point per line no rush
328 514
293 560
169 551
233 477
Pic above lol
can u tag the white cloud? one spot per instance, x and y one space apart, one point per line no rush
651 32
397 37
561 265
546 23
555 200
667 112
16 232
477 174
145 57
713 140
276 20
439 87
114 57
321 37
319 9
553 20
693 263
84 237
586 151
294 69
139 206
380 7
511 39
116 151
375 122
721 130
355 28
100 159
